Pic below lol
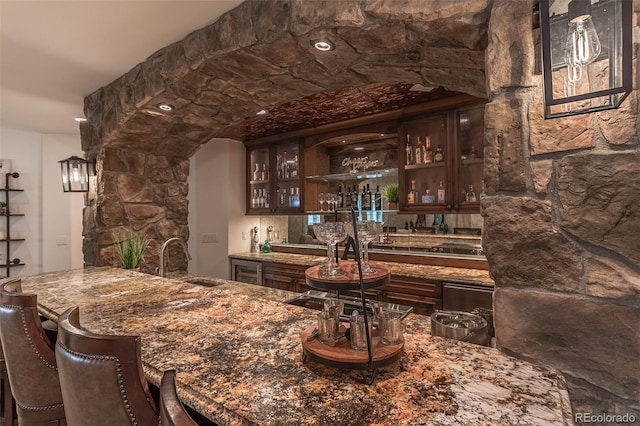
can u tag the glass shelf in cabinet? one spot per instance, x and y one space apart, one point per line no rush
318 212
358 175
423 166
258 182
471 161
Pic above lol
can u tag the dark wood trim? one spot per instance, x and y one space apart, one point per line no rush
408 111
395 257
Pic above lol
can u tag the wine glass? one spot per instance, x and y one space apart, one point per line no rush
330 233
321 199
367 231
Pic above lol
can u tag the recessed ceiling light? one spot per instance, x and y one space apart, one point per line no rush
80 119
166 107
323 44
262 112
358 148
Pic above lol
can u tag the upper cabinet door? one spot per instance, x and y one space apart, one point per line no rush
275 182
469 160
288 178
426 164
441 161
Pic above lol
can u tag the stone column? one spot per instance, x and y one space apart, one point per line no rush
562 219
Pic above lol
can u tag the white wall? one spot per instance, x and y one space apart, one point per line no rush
48 211
217 206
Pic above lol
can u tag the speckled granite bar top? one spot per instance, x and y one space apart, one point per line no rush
439 273
237 350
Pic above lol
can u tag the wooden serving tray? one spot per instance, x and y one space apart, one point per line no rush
349 280
343 356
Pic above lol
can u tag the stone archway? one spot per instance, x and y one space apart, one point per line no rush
256 56
561 211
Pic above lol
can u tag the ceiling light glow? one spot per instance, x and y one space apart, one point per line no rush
324 45
166 107
262 112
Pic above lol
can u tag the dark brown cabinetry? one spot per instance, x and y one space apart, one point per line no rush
441 166
284 276
274 176
423 295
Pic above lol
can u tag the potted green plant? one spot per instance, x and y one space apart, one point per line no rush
130 251
3 208
390 193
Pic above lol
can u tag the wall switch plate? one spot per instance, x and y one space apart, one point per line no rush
209 238
62 240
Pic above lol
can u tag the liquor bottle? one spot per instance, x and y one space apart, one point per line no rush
294 167
419 152
340 197
254 199
409 150
413 194
366 198
265 173
378 198
348 198
428 153
355 197
439 155
266 199
256 172
283 166
296 198
441 192
471 195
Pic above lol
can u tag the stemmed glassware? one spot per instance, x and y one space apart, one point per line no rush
321 199
330 233
368 230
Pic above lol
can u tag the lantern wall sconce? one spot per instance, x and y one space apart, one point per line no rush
586 55
75 174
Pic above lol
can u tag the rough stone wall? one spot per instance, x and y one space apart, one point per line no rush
562 219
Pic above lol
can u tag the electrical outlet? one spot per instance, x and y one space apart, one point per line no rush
62 240
209 238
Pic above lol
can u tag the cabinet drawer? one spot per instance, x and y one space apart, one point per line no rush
421 305
414 286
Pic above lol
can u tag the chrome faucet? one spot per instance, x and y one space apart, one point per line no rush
164 247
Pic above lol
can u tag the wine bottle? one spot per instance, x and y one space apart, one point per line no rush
354 197
348 198
366 198
340 197
409 150
378 198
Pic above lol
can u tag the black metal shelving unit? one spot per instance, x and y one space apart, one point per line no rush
8 264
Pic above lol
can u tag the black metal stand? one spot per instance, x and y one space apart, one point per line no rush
356 248
8 263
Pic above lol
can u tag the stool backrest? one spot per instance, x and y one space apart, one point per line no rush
29 357
101 376
172 412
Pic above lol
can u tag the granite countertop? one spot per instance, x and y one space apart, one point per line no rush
237 350
438 273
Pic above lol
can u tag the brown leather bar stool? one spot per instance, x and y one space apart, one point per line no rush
7 403
30 359
101 376
172 412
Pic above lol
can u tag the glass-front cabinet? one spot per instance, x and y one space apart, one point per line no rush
441 161
274 176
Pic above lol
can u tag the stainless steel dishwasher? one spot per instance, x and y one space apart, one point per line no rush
246 271
466 297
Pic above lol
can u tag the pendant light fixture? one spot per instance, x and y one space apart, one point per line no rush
75 174
586 55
